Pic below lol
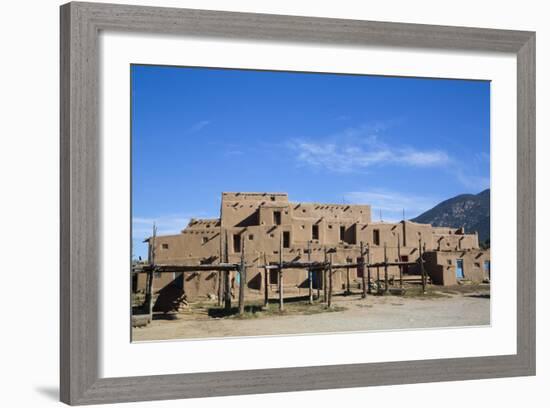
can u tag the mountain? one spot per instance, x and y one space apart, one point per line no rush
472 211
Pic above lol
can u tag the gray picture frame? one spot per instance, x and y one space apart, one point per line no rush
80 193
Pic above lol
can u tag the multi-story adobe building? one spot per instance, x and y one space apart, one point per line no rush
259 221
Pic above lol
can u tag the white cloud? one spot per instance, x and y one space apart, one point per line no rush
142 227
356 149
197 127
472 182
392 203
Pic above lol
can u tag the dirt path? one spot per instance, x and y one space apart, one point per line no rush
375 313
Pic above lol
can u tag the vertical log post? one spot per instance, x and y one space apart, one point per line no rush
362 269
420 255
242 279
378 279
348 284
220 273
324 283
318 282
369 287
385 269
329 301
310 273
227 279
149 295
399 260
281 301
423 267
266 283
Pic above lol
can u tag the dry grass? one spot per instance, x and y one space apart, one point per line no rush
466 289
255 310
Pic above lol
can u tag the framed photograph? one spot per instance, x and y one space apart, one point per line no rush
261 203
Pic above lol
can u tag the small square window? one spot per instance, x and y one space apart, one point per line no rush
164 246
251 237
204 240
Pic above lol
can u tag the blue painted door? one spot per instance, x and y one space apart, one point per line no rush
459 268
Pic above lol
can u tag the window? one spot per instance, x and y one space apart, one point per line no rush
314 232
204 240
236 243
277 217
286 239
164 246
342 233
273 276
376 237
251 237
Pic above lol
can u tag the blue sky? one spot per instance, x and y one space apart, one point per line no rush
390 142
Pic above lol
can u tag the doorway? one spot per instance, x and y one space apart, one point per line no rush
460 269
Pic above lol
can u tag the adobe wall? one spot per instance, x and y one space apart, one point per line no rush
249 219
442 265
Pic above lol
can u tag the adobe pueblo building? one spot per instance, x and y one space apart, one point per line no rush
263 224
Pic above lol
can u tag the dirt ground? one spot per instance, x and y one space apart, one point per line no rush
450 307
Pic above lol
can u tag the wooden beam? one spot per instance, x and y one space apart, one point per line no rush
421 261
362 269
377 278
348 283
385 269
220 273
281 301
227 279
149 297
324 283
309 273
369 287
399 260
329 302
266 283
242 278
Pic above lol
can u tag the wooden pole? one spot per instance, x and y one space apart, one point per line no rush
318 283
377 279
220 273
399 260
227 279
362 269
310 273
329 302
149 293
421 265
348 284
242 279
266 283
281 301
369 287
423 268
385 269
324 283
